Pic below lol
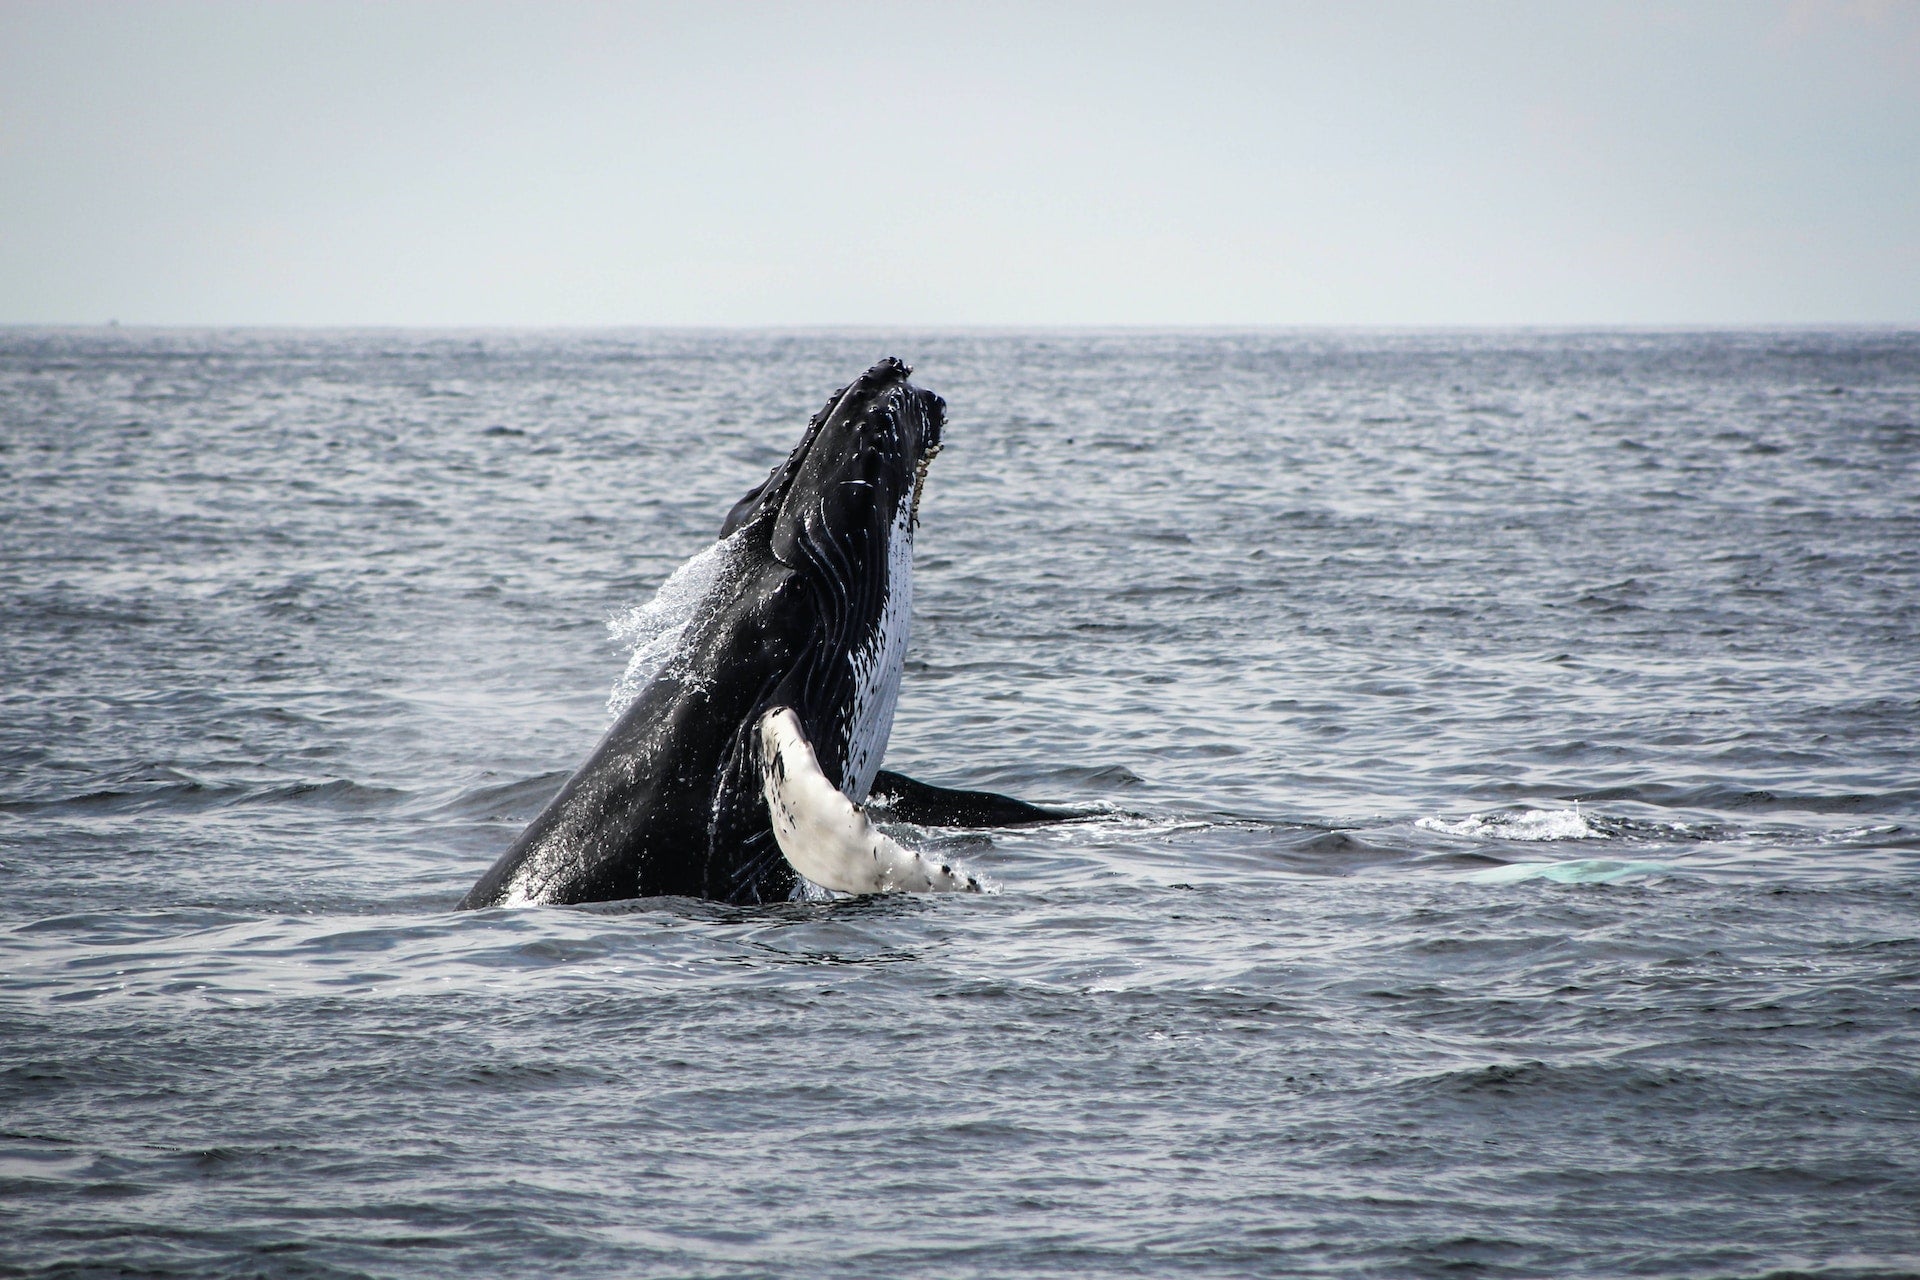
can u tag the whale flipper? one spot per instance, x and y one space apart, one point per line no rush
825 836
923 804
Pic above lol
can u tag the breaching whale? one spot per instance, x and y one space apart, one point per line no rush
742 761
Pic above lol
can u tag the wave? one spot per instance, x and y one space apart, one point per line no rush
183 794
1530 825
519 799
1722 796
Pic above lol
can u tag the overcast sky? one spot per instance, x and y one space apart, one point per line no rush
1083 164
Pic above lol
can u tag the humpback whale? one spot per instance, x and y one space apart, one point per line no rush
741 763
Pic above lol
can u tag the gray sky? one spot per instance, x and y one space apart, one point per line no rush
1011 164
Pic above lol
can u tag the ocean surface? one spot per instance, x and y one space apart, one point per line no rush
1502 753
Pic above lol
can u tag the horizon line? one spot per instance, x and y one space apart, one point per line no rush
1452 326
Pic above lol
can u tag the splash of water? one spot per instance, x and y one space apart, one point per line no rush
1534 824
654 630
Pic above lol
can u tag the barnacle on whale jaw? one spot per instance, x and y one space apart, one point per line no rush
919 483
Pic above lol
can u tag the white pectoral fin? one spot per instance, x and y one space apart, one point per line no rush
825 836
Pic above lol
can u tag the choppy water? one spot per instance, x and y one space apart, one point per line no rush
1510 858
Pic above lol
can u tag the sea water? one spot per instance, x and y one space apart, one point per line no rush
1500 751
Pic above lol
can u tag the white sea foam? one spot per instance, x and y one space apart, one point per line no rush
1534 824
654 630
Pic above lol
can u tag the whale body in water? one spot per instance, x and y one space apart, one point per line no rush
742 761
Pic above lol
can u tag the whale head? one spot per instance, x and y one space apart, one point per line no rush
838 515
827 612
860 465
